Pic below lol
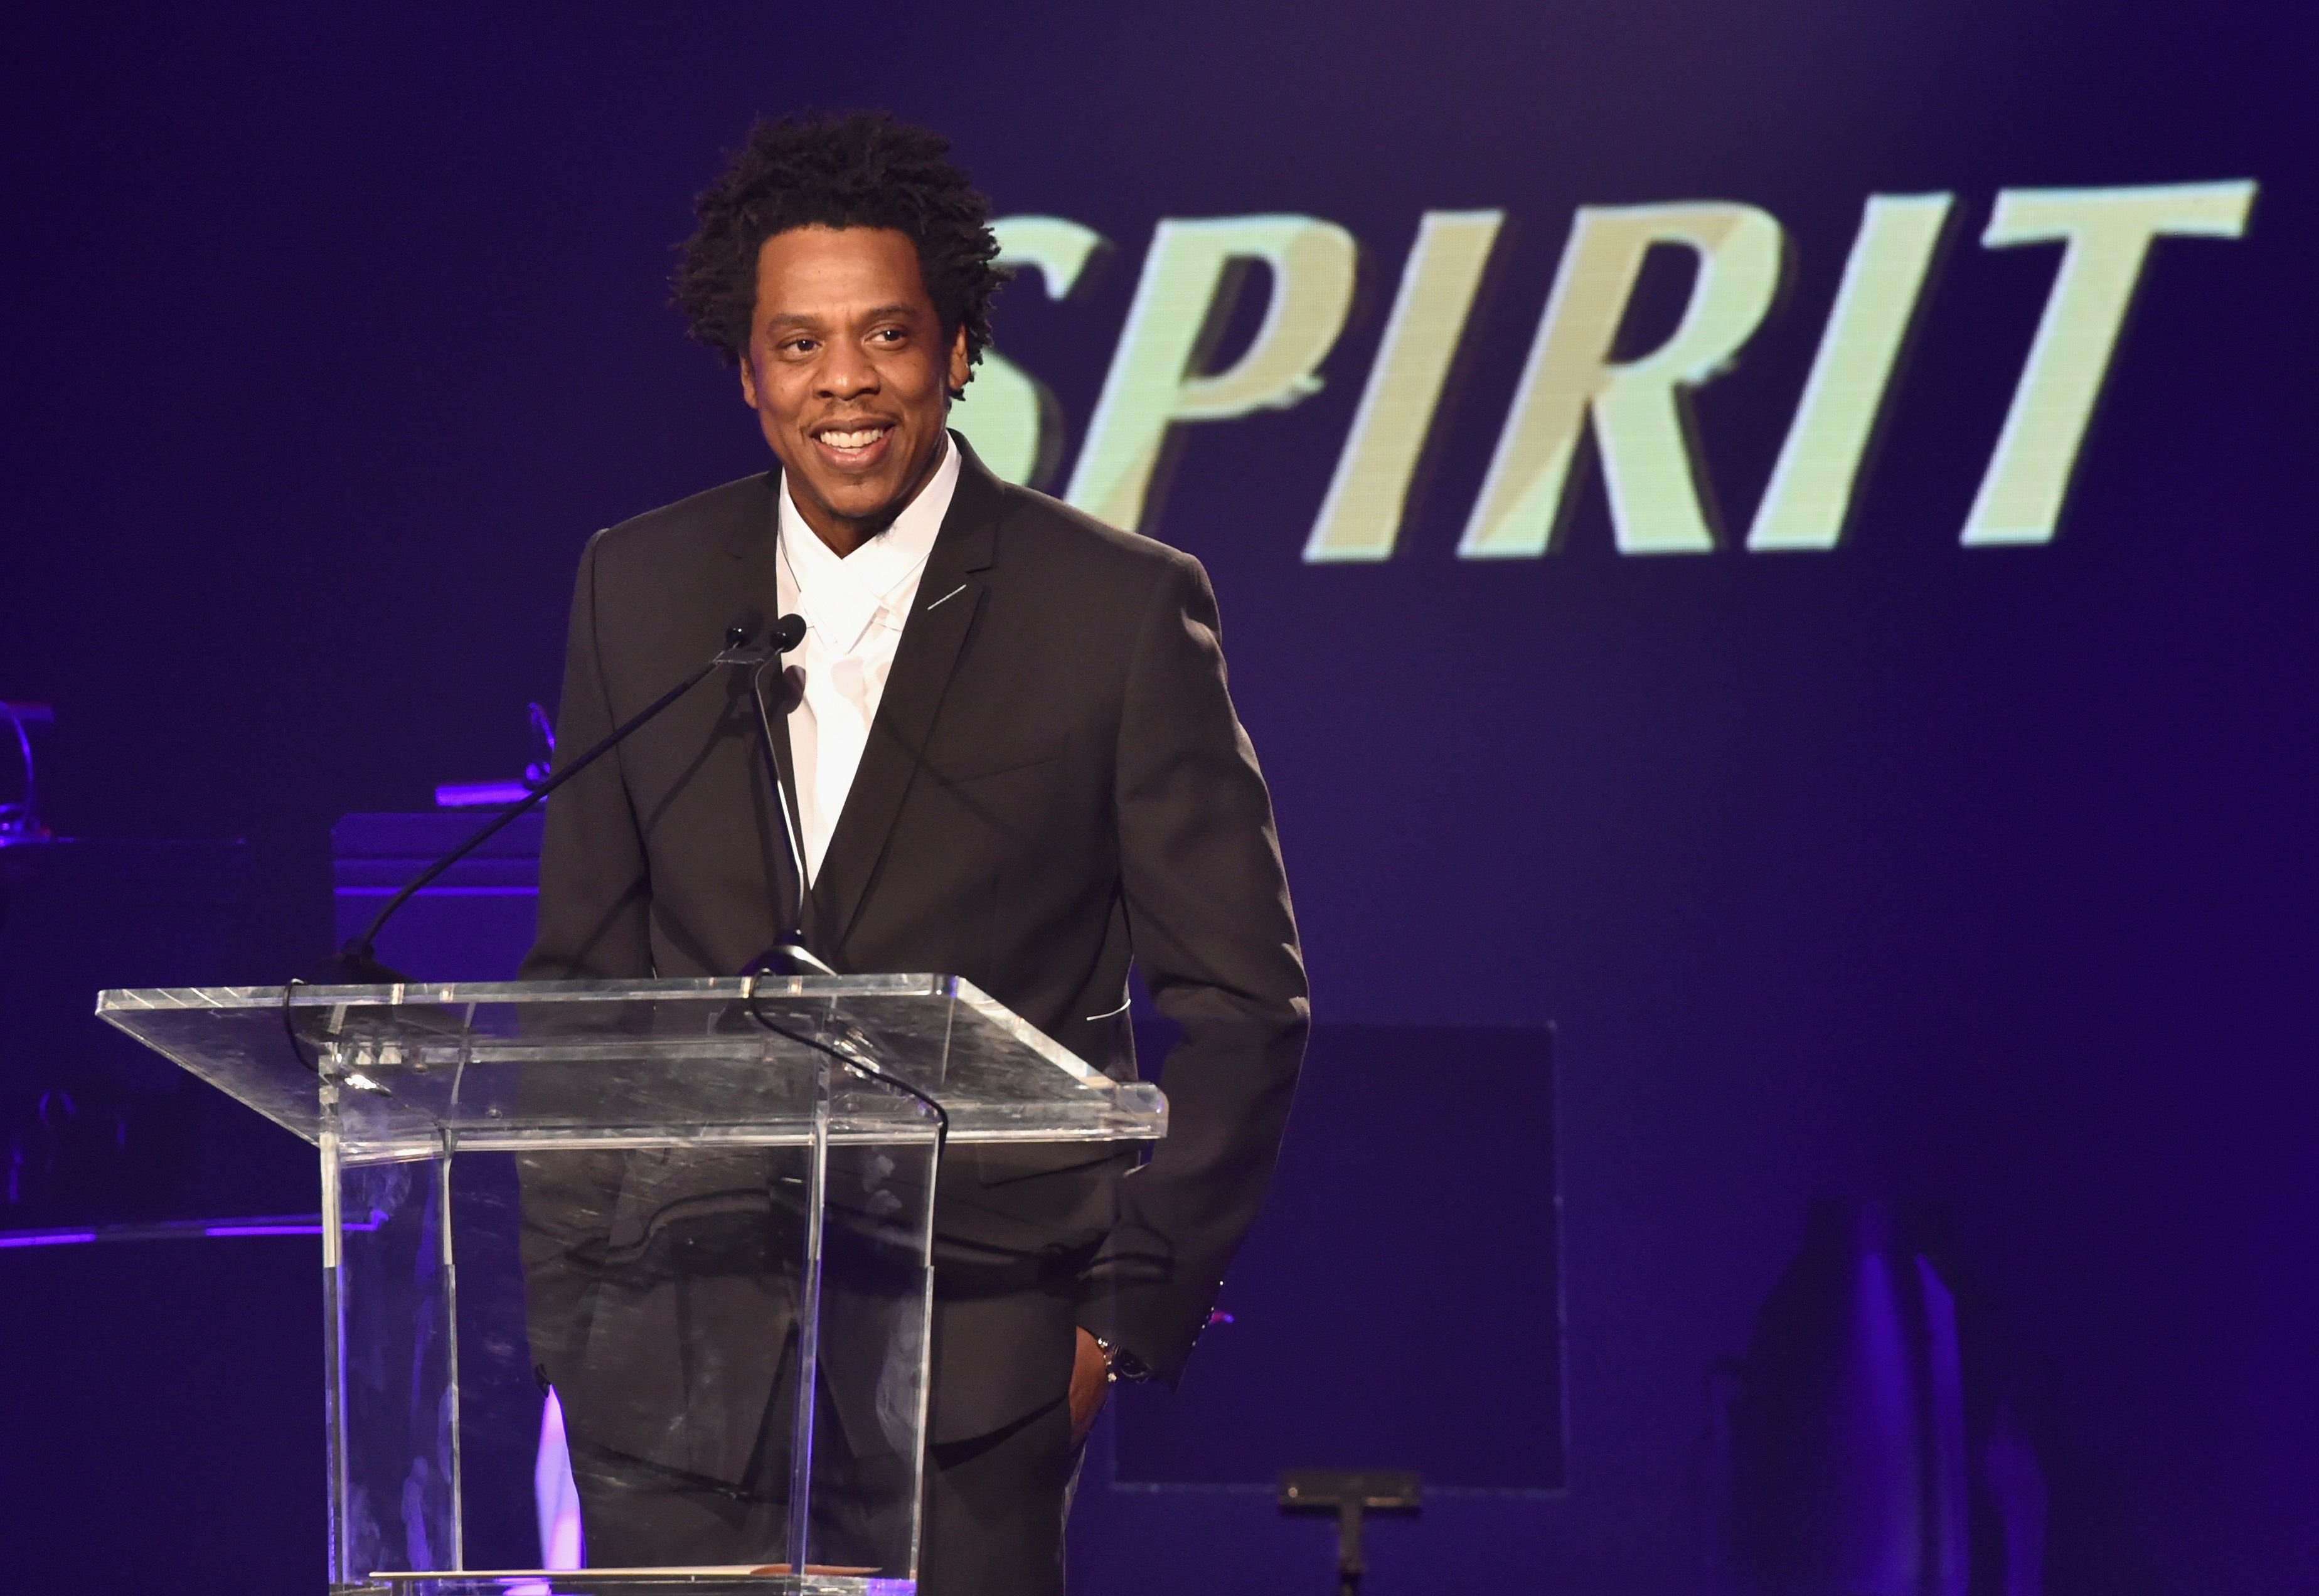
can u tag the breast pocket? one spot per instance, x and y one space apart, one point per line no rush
982 761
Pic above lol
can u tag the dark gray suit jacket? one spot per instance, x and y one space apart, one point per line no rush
1055 785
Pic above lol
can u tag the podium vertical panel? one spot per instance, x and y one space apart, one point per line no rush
735 1335
393 1296
656 1255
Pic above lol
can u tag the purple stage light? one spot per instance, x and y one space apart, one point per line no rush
562 1542
480 794
190 1230
267 1229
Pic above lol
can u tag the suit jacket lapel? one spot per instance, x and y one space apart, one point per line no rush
942 615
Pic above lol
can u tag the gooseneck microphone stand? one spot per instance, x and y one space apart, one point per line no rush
357 964
788 955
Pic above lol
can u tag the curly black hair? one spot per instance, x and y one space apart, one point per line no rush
864 169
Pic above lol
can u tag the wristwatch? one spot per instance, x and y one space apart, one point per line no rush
1120 1364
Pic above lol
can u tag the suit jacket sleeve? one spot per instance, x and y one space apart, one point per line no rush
1213 931
594 891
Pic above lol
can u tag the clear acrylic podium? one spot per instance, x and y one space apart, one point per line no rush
666 1234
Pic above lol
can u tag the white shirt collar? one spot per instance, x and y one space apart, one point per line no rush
841 598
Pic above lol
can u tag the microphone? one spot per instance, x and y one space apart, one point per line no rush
786 634
357 963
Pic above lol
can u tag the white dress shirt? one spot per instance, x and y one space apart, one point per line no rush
855 609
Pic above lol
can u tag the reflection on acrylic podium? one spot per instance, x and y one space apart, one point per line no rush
664 1235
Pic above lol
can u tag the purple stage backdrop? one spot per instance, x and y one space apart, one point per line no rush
1773 540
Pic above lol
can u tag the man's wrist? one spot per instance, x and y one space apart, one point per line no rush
1120 1364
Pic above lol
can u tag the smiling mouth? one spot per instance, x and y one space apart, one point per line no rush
853 445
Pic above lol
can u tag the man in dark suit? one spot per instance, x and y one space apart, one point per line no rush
1009 755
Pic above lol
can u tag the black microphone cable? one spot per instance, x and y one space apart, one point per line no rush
856 1062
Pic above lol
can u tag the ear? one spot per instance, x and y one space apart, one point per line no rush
748 380
962 369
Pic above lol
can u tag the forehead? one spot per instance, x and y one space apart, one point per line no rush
829 271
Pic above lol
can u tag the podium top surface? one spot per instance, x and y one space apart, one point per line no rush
398 1071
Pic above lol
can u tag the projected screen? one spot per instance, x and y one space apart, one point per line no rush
1635 409
1514 744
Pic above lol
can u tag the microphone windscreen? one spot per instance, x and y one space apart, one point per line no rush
788 633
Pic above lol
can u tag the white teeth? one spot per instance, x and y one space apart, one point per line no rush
854 440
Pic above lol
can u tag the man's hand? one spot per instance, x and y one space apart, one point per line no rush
1090 1384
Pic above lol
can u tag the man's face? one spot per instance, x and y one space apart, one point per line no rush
850 375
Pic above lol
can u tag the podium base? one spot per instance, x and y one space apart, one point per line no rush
775 1580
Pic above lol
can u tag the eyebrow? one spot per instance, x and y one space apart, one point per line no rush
799 319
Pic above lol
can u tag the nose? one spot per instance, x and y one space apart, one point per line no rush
846 371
